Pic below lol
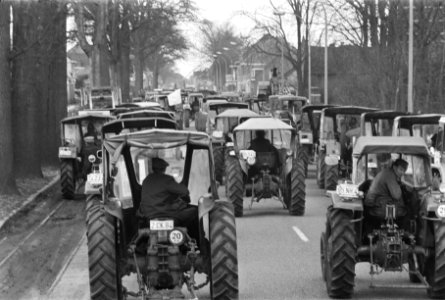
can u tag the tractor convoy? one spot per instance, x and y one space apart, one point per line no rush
229 153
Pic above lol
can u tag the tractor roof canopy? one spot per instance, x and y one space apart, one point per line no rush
390 144
312 107
155 139
147 113
424 119
132 124
88 117
346 110
263 123
234 113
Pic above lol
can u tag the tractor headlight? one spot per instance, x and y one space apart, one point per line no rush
176 237
91 158
440 211
251 160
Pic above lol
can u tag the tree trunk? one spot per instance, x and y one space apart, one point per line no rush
57 93
26 106
155 75
7 183
139 71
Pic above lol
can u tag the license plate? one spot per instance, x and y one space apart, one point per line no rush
161 225
65 152
95 178
347 191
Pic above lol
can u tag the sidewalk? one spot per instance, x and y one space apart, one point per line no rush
29 190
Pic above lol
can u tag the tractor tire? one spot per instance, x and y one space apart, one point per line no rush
67 178
435 268
201 122
321 166
298 189
340 254
187 118
218 157
303 155
234 185
103 257
92 205
331 177
323 254
223 251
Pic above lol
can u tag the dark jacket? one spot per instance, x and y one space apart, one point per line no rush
385 189
160 196
261 145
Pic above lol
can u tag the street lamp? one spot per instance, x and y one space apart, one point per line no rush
280 14
325 58
410 59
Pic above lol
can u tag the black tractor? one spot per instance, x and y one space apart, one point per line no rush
408 238
157 254
259 173
81 137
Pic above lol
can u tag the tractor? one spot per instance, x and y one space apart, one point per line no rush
426 126
308 133
222 135
80 137
338 127
410 237
259 105
157 255
287 108
379 123
270 173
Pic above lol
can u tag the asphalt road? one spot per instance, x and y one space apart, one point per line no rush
278 257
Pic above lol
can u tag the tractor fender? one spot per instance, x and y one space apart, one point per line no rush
331 160
114 208
349 204
205 205
243 165
288 165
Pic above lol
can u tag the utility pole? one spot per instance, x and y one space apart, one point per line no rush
410 59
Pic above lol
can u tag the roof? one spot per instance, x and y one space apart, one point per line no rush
116 126
228 104
383 114
216 101
196 95
241 112
147 113
74 119
409 121
312 107
390 144
263 123
290 98
346 110
154 139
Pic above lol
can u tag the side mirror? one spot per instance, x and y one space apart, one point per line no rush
99 154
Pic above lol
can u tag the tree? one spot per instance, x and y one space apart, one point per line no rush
7 182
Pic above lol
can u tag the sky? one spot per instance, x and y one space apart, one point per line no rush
219 12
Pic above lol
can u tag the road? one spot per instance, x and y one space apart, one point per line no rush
278 258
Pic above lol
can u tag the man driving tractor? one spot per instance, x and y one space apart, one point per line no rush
163 197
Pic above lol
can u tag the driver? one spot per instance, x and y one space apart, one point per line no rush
386 188
163 197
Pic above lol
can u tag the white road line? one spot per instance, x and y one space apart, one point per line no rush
300 234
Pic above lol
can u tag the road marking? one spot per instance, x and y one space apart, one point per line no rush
300 234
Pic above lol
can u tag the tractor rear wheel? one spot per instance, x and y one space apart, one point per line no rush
67 178
186 118
223 250
331 177
298 189
218 157
435 267
103 256
340 254
320 170
234 184
323 254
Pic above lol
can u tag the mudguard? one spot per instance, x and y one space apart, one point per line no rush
114 208
205 205
341 203
331 160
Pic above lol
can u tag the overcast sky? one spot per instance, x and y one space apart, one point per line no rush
220 12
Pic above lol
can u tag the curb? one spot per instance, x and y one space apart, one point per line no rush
29 200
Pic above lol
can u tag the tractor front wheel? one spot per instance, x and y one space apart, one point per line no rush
234 184
331 177
223 251
67 178
340 254
298 189
218 157
321 166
